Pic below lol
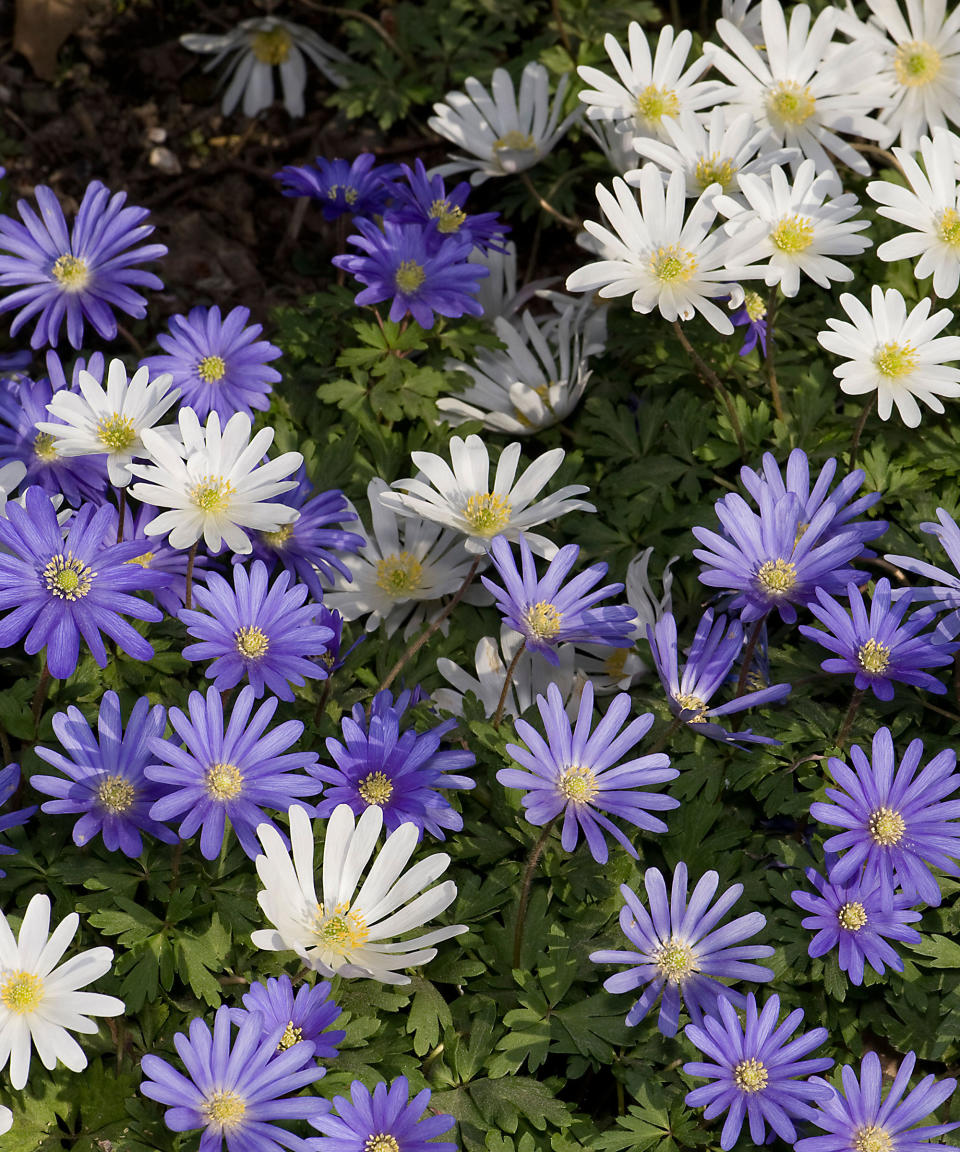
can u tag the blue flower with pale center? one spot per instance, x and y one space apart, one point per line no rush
9 782
425 199
753 315
342 187
384 1120
308 1015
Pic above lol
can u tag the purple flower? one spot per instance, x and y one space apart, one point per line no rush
947 594
715 649
82 274
381 1121
304 1016
756 1070
753 314
680 950
573 772
238 1086
9 782
402 265
427 199
862 1118
58 590
105 778
857 918
266 635
342 187
401 772
896 825
545 613
881 648
218 364
228 773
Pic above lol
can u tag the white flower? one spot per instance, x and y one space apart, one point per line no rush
894 354
616 146
110 422
536 382
640 595
497 292
461 497
348 932
214 485
39 1002
652 90
804 89
930 208
608 669
405 567
531 677
669 260
744 15
6 1119
796 227
10 476
258 46
505 133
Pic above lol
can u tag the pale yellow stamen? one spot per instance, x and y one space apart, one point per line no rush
790 104
852 916
654 103
487 513
277 540
895 360
615 663
792 234
271 46
116 433
777 577
673 264
714 169
449 219
754 304
290 1037
67 578
375 788
399 574
917 63
224 1109
213 494
211 369
872 1138
577 784
948 227
71 273
515 141
116 793
886 827
252 643
873 657
409 276
382 1142
44 447
224 781
145 559
350 194
675 959
750 1076
692 704
21 992
543 619
342 931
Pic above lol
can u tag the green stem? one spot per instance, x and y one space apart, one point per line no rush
191 558
712 380
569 221
39 697
858 430
770 354
849 718
121 512
502 702
525 890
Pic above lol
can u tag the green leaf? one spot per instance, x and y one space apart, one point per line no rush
429 1014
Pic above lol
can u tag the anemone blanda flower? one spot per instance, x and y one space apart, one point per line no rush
40 1004
9 783
306 1015
383 1120
80 275
752 314
348 934
896 822
681 948
217 363
425 198
343 187
946 594
103 775
6 1119
228 771
578 772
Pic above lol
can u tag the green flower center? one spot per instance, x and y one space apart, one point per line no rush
793 234
872 1138
487 513
375 788
252 642
675 960
750 1076
223 781
714 170
449 219
886 827
654 103
777 577
409 276
873 657
116 793
543 619
789 103
67 578
224 1109
895 360
948 227
577 784
271 46
852 916
21 992
342 930
515 141
116 433
673 264
71 273
213 494
399 574
917 63
211 369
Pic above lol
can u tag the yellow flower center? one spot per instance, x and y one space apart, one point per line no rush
487 513
750 1076
714 169
793 234
654 103
948 227
754 304
917 63
886 827
872 1138
692 704
341 930
873 657
515 141
777 577
788 103
290 1037
399 574
895 360
21 992
375 788
577 784
145 559
44 447
383 1142
852 916
675 959
211 369
71 273
252 643
409 276
67 578
277 540
116 433
350 194
212 494
673 264
271 46
543 619
224 1109
448 218
615 663
116 793
223 781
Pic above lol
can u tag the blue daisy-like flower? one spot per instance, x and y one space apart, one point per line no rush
880 648
57 590
9 782
425 198
306 1015
757 1070
381 1121
80 275
228 773
261 633
946 592
681 950
217 362
103 775
401 772
343 187
752 314
896 824
578 773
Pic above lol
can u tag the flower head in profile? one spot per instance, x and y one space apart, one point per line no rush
307 1015
424 199
681 948
946 593
342 187
383 1120
9 783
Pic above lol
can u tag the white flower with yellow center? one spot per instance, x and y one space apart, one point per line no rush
894 353
109 422
503 131
213 483
40 1003
350 932
458 495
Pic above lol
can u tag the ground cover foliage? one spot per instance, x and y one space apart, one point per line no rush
509 1026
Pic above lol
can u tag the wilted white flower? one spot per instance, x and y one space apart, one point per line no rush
616 146
640 595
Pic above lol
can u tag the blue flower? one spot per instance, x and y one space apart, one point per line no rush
947 594
356 188
219 365
9 782
266 635
753 314
426 199
228 773
105 779
578 773
81 275
304 1016
381 1121
681 950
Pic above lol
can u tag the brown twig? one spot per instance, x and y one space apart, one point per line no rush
858 430
849 718
525 890
571 222
502 702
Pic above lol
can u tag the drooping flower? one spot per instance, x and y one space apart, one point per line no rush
383 1120
343 187
308 1015
424 198
681 950
9 782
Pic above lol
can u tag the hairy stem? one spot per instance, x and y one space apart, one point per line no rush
569 221
40 696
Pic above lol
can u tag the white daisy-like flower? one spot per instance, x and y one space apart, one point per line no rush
803 88
213 483
640 595
744 15
351 933
666 257
497 292
607 669
403 570
532 676
40 1004
929 208
459 496
894 353
109 422
796 227
652 90
504 132
258 46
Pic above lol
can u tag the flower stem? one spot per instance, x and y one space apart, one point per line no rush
858 430
562 29
191 557
322 702
665 738
569 221
121 512
40 696
508 679
770 354
528 871
713 381
748 656
849 718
